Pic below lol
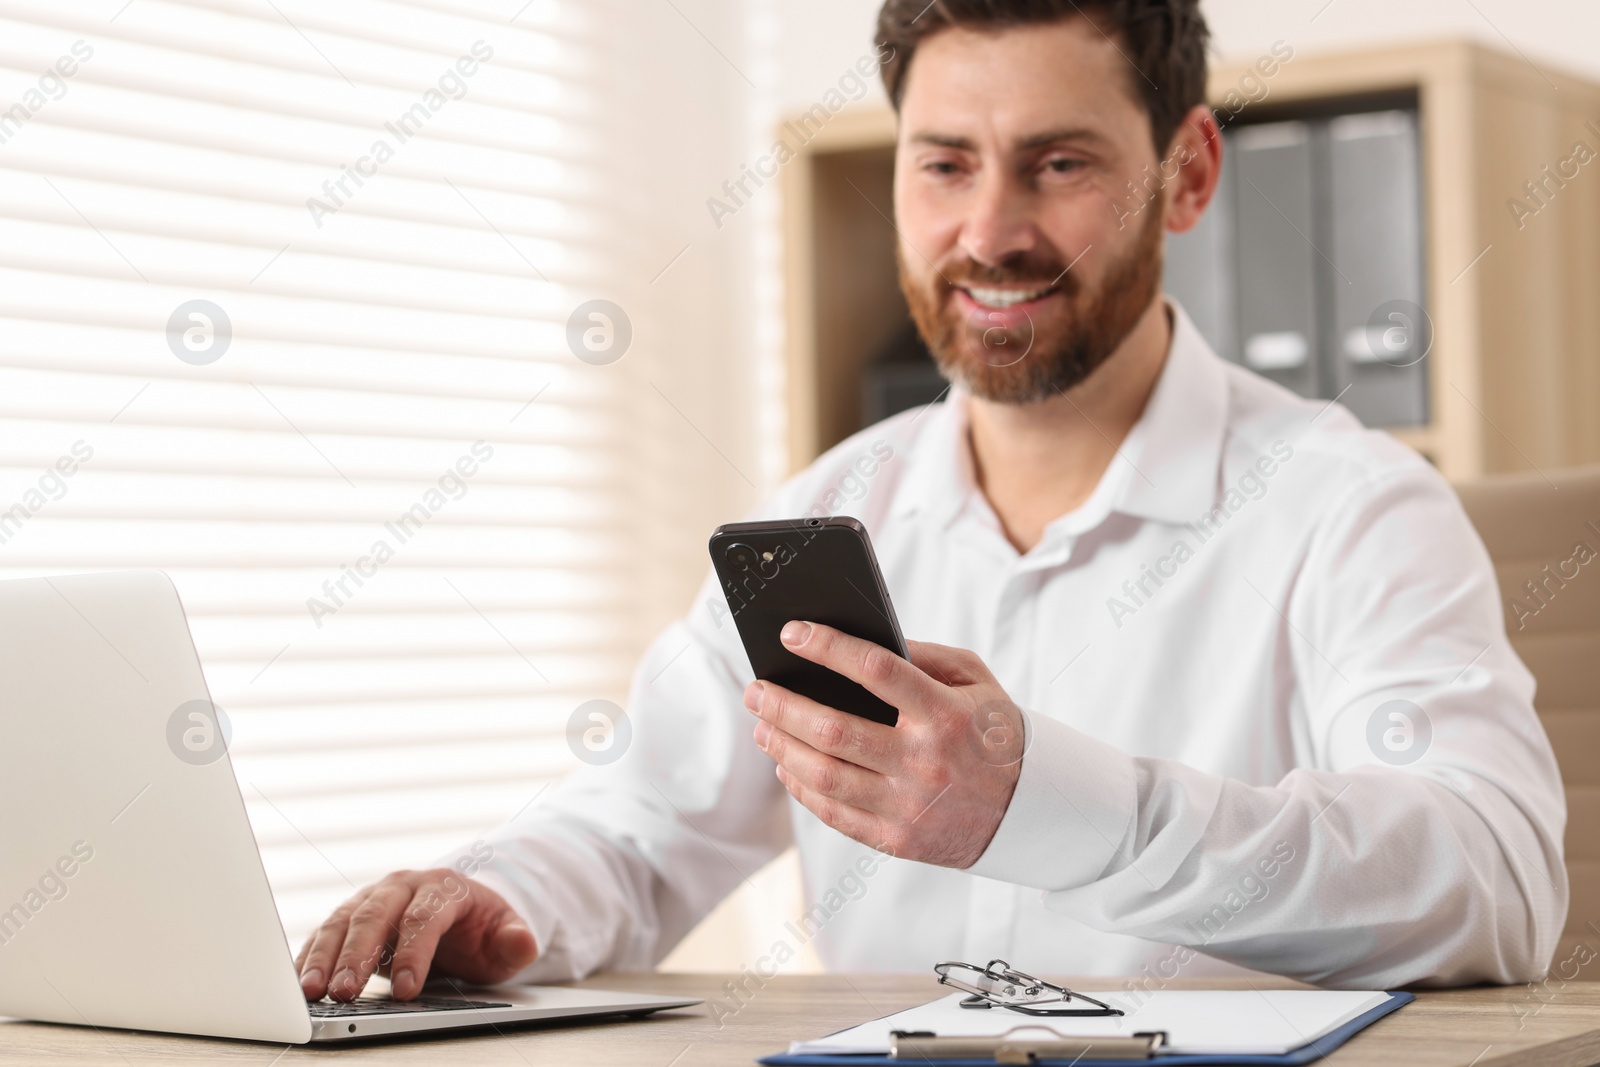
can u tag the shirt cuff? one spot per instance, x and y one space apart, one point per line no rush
1074 801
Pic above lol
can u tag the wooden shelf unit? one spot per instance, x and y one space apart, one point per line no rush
1514 375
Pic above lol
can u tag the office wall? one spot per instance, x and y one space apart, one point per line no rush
680 118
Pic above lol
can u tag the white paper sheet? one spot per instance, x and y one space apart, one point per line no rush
1268 1022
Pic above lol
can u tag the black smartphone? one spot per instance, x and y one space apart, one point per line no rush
813 569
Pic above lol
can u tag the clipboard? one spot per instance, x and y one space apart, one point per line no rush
1024 1044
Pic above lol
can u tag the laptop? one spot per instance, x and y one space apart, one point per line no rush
132 894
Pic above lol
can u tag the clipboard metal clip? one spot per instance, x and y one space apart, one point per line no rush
924 1045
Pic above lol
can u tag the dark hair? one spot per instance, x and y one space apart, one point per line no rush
1164 42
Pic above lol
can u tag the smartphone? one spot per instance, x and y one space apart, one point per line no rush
816 570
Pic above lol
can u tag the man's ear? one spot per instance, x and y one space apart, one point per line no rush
1196 156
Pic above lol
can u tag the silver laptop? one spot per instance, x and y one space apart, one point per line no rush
131 891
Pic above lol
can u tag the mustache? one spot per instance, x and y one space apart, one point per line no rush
1024 270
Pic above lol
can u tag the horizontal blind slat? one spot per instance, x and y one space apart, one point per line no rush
385 703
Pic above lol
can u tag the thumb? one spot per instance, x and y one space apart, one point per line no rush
512 946
486 946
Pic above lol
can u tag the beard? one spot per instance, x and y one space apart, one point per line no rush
1053 351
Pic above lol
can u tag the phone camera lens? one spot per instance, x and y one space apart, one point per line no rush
741 555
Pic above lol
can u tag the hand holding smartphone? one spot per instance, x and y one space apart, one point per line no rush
815 570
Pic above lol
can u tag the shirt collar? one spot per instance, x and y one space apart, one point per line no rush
1176 446
939 477
1174 449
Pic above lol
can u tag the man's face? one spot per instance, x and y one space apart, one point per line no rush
1014 155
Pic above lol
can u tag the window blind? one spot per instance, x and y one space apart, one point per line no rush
285 286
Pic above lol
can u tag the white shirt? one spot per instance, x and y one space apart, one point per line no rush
1202 650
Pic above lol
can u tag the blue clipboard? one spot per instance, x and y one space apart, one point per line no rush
1307 1053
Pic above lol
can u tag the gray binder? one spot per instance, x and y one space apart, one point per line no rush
1308 266
1277 260
1379 332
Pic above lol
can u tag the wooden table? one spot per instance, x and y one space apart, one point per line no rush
1559 1026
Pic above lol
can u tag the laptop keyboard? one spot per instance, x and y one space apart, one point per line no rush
331 1009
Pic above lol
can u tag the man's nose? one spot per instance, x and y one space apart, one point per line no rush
999 225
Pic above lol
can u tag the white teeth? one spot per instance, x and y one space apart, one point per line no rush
1004 298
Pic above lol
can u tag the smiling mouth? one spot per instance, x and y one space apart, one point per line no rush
1005 298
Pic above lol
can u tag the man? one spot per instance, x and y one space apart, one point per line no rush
1220 680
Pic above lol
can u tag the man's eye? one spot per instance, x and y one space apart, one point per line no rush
1063 166
943 167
